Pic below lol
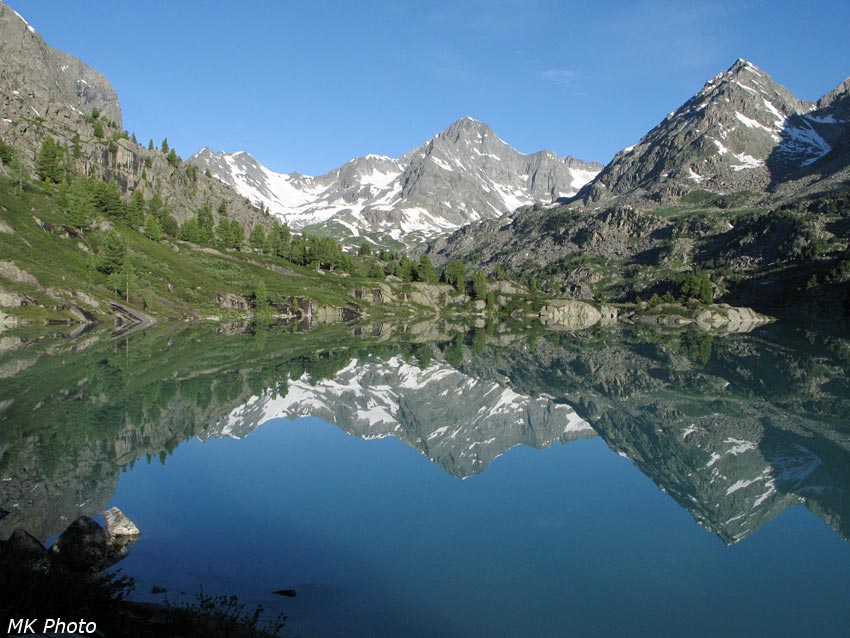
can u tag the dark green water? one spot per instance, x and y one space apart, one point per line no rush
619 483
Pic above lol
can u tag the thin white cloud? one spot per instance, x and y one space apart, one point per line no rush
562 77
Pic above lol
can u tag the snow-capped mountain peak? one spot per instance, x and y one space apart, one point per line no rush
742 132
463 174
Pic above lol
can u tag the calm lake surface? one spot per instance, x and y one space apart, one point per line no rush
418 483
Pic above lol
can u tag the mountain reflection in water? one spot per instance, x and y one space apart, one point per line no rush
735 428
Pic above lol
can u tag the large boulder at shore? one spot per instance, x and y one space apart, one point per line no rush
717 318
118 525
727 318
572 314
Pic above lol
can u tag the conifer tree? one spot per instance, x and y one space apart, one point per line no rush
112 253
479 285
47 163
454 274
261 299
153 229
237 232
258 240
425 270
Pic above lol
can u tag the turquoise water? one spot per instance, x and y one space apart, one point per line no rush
572 540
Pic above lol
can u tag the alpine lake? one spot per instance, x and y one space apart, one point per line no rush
423 481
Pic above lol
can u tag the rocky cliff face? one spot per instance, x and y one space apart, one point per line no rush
741 132
44 92
463 174
40 79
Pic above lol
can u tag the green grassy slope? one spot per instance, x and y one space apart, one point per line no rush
168 279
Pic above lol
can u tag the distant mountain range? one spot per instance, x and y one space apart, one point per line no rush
464 174
670 204
743 136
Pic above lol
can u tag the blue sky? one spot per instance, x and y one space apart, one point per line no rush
306 86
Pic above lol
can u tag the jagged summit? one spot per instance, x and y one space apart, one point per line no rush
462 174
467 125
741 65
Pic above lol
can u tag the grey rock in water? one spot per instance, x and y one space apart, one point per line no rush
463 174
118 525
569 314
726 318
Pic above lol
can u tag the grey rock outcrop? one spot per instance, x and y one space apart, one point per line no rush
718 318
463 174
727 318
571 314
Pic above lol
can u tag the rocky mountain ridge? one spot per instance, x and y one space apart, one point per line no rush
742 133
743 181
463 174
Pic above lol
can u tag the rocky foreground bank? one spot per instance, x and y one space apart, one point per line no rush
68 589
